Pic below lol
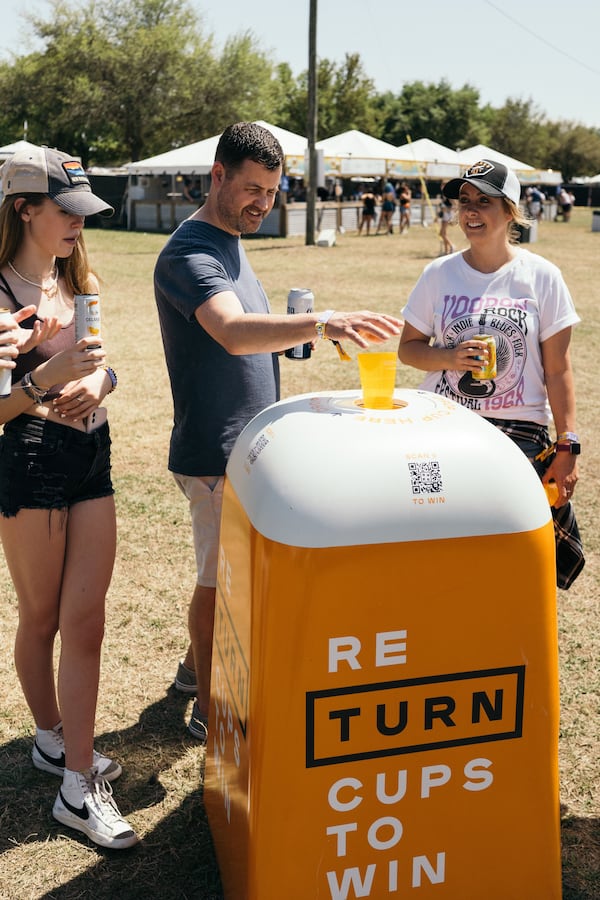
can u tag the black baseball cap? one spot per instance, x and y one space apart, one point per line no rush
490 177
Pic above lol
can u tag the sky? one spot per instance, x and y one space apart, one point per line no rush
540 50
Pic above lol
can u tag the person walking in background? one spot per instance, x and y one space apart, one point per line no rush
405 199
445 217
521 299
534 199
221 346
369 202
388 206
57 511
565 203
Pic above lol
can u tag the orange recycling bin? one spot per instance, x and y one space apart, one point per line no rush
384 702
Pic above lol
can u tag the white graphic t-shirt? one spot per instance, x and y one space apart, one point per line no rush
522 304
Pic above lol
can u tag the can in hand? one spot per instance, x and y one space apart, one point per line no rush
300 300
489 371
5 374
87 317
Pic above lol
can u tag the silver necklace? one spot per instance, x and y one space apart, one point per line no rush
50 291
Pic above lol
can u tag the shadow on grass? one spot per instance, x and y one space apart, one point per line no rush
580 857
174 861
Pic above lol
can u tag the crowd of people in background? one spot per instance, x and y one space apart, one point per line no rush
385 202
388 198
535 200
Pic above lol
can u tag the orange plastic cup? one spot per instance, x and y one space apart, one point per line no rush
377 378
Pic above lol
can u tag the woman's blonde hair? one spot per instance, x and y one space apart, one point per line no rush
75 269
518 220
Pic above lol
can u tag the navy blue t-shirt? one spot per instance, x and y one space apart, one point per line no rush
215 394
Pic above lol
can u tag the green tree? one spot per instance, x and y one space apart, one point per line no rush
157 65
122 80
111 78
346 99
519 129
60 111
436 111
243 86
292 108
575 150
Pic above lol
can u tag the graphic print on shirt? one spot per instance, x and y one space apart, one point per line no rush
506 320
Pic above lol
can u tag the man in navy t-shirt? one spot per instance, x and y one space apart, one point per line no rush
221 346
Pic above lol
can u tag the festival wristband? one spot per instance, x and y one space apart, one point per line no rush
322 322
567 436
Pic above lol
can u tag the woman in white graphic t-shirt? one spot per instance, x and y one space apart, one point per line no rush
496 287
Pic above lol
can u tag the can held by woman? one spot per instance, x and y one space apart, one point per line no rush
488 371
87 316
300 300
5 374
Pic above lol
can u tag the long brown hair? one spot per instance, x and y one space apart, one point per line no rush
75 269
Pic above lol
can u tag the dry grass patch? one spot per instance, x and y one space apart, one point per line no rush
140 718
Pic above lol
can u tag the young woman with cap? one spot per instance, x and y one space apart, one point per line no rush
57 512
496 287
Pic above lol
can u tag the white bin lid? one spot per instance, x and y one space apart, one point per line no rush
318 470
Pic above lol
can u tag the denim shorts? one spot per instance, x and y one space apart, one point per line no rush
44 465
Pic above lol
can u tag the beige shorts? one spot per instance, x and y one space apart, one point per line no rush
205 496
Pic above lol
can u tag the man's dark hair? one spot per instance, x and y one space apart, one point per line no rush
246 140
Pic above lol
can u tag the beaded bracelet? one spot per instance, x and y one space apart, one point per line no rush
113 377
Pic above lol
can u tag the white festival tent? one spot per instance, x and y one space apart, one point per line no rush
431 159
525 173
480 151
354 153
197 158
193 159
155 188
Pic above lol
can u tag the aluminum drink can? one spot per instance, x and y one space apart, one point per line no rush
5 374
87 317
489 371
300 300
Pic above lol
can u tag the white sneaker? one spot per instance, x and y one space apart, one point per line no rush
48 754
85 803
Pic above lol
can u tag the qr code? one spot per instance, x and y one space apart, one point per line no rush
425 477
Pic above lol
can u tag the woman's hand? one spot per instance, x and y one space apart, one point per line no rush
469 355
562 470
8 344
80 398
43 329
415 350
72 364
15 340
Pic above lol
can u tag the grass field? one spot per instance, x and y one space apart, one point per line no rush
140 718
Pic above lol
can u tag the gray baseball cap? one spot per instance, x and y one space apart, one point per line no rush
40 170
